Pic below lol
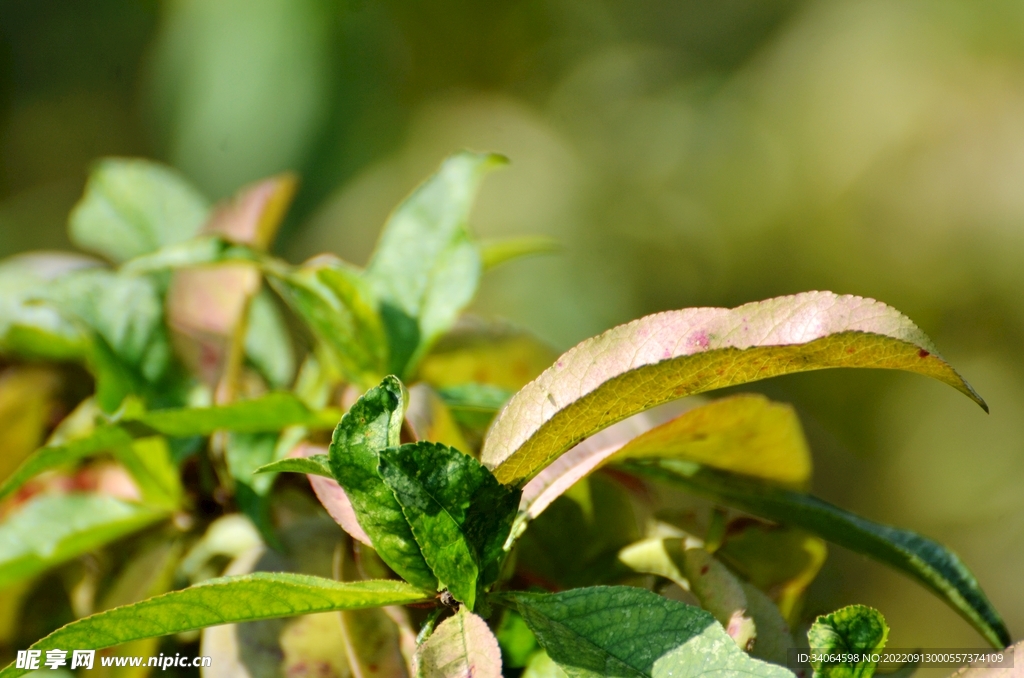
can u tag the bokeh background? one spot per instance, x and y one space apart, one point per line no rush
685 152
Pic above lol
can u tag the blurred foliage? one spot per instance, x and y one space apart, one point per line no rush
685 153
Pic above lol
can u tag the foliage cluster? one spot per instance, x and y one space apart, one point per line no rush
503 509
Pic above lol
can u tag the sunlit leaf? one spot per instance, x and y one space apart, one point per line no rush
497 355
223 601
268 345
372 424
746 434
268 413
779 560
133 206
542 666
461 646
425 269
53 528
926 561
669 355
341 311
150 463
459 513
516 640
856 629
34 330
315 465
27 396
496 252
624 631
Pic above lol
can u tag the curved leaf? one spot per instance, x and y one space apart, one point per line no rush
854 629
133 206
268 413
372 424
223 601
316 465
341 310
669 355
425 268
462 646
930 563
496 252
745 433
103 439
631 632
51 529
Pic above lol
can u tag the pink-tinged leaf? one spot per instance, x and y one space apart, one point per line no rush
331 495
667 356
745 433
579 462
252 217
462 646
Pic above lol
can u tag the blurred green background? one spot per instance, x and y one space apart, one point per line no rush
685 152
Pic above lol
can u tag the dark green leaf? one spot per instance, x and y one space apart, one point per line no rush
633 633
666 356
426 269
856 629
317 465
372 424
459 513
223 601
271 412
930 563
132 207
52 528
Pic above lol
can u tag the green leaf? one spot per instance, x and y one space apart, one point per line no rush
494 354
126 315
926 561
670 355
460 646
497 252
102 439
317 465
474 405
268 413
426 268
223 601
694 569
341 311
34 330
372 424
150 463
51 529
132 207
459 513
631 632
267 342
516 640
774 558
541 666
853 629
